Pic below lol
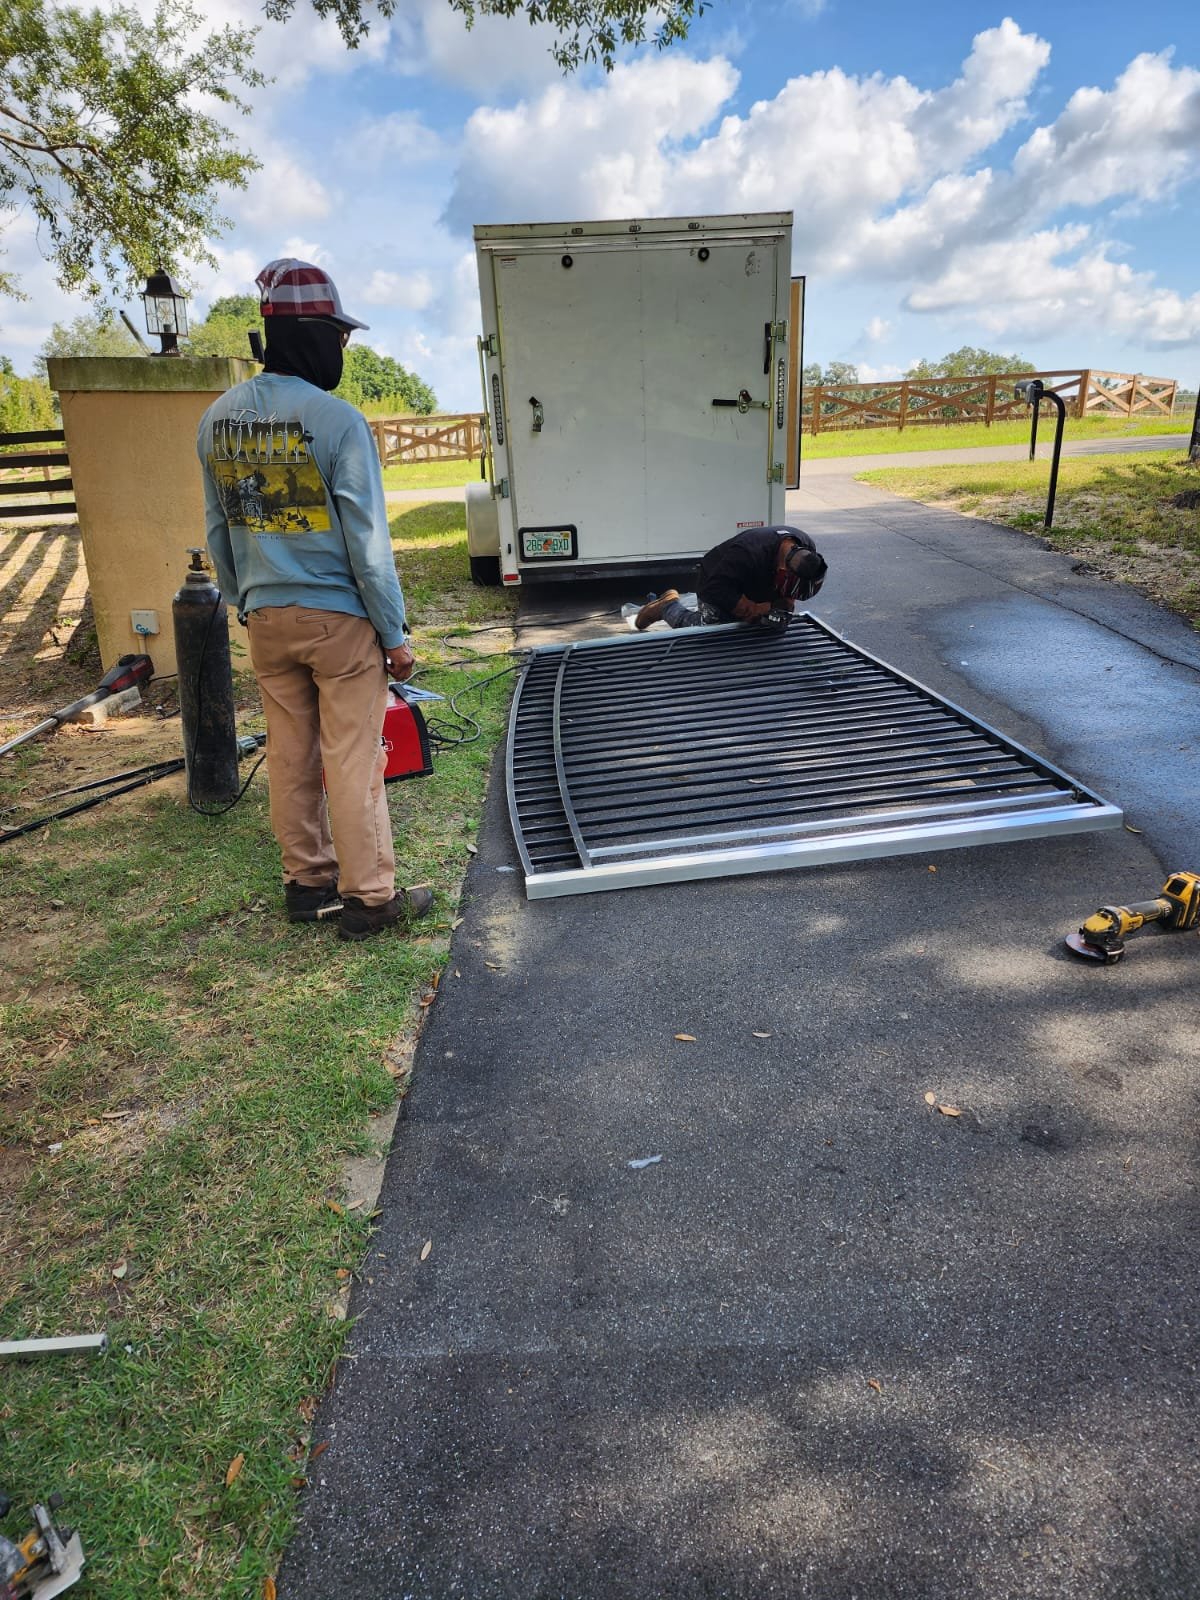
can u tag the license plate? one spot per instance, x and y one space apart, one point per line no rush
549 544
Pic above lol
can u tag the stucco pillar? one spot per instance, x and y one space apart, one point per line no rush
130 425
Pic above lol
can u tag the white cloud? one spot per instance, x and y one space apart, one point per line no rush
429 39
283 190
1053 284
889 181
877 329
587 152
840 149
411 291
398 136
887 373
1141 139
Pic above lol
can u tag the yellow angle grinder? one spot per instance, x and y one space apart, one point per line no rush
1102 937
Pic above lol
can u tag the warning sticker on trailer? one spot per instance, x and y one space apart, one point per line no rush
758 523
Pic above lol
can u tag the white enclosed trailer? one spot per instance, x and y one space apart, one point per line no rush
641 381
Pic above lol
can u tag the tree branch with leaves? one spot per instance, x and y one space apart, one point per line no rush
587 30
104 139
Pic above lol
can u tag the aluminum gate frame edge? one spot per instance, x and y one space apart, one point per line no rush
743 860
881 842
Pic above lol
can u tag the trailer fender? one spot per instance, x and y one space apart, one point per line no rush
483 534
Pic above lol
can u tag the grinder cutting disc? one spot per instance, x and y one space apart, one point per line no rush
1092 952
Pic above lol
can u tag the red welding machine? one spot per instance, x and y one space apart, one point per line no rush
405 738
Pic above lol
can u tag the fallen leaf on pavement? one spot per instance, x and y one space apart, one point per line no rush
458 922
930 1098
320 1450
494 965
759 1035
472 849
1129 828
234 1467
426 1000
933 869
687 1038
874 1383
950 1111
426 1248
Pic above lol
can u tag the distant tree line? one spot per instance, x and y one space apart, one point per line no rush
966 362
368 379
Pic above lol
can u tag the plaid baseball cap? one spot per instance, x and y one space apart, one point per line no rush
291 288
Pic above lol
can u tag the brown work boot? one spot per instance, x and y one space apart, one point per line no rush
653 609
311 903
360 921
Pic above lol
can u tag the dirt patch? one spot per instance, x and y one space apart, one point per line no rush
1170 577
43 609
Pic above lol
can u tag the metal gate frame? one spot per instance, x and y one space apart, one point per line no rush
1053 802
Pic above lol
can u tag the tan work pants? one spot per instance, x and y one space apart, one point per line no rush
324 687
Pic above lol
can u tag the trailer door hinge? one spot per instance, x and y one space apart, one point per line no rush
502 488
775 475
488 344
779 331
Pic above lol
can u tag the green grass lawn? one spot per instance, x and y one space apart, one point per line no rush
967 435
431 475
1135 518
182 1076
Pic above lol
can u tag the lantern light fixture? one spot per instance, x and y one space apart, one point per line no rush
166 311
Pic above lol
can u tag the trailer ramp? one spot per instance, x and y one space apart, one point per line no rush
710 752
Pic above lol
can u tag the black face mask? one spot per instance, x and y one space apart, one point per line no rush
305 347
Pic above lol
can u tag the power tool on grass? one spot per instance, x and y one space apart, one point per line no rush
43 1562
1102 937
128 672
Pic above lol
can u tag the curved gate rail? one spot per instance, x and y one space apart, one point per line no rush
719 751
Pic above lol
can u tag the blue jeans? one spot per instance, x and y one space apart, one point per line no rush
677 615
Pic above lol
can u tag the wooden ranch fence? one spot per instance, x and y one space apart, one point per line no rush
438 438
18 482
920 402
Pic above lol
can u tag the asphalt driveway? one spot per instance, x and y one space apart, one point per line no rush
833 1342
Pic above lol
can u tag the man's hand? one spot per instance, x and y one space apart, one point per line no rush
400 661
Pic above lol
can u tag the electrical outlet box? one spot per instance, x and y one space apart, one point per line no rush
144 622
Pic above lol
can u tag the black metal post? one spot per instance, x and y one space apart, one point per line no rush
1194 447
1058 437
1033 431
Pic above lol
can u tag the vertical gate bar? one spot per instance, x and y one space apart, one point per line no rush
560 765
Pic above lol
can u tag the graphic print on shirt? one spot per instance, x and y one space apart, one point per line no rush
266 476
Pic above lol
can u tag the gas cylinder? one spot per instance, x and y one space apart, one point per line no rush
205 688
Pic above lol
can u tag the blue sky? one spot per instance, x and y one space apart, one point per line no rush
1020 177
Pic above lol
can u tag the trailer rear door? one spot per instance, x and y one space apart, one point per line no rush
624 348
571 340
706 336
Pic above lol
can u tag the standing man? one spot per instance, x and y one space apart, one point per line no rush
308 559
758 571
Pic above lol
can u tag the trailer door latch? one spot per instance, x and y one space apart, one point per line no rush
745 403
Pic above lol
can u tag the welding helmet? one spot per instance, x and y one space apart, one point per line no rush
801 574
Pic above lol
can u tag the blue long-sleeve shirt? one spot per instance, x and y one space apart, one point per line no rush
294 504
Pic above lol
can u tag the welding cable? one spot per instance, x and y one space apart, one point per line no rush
445 734
159 770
